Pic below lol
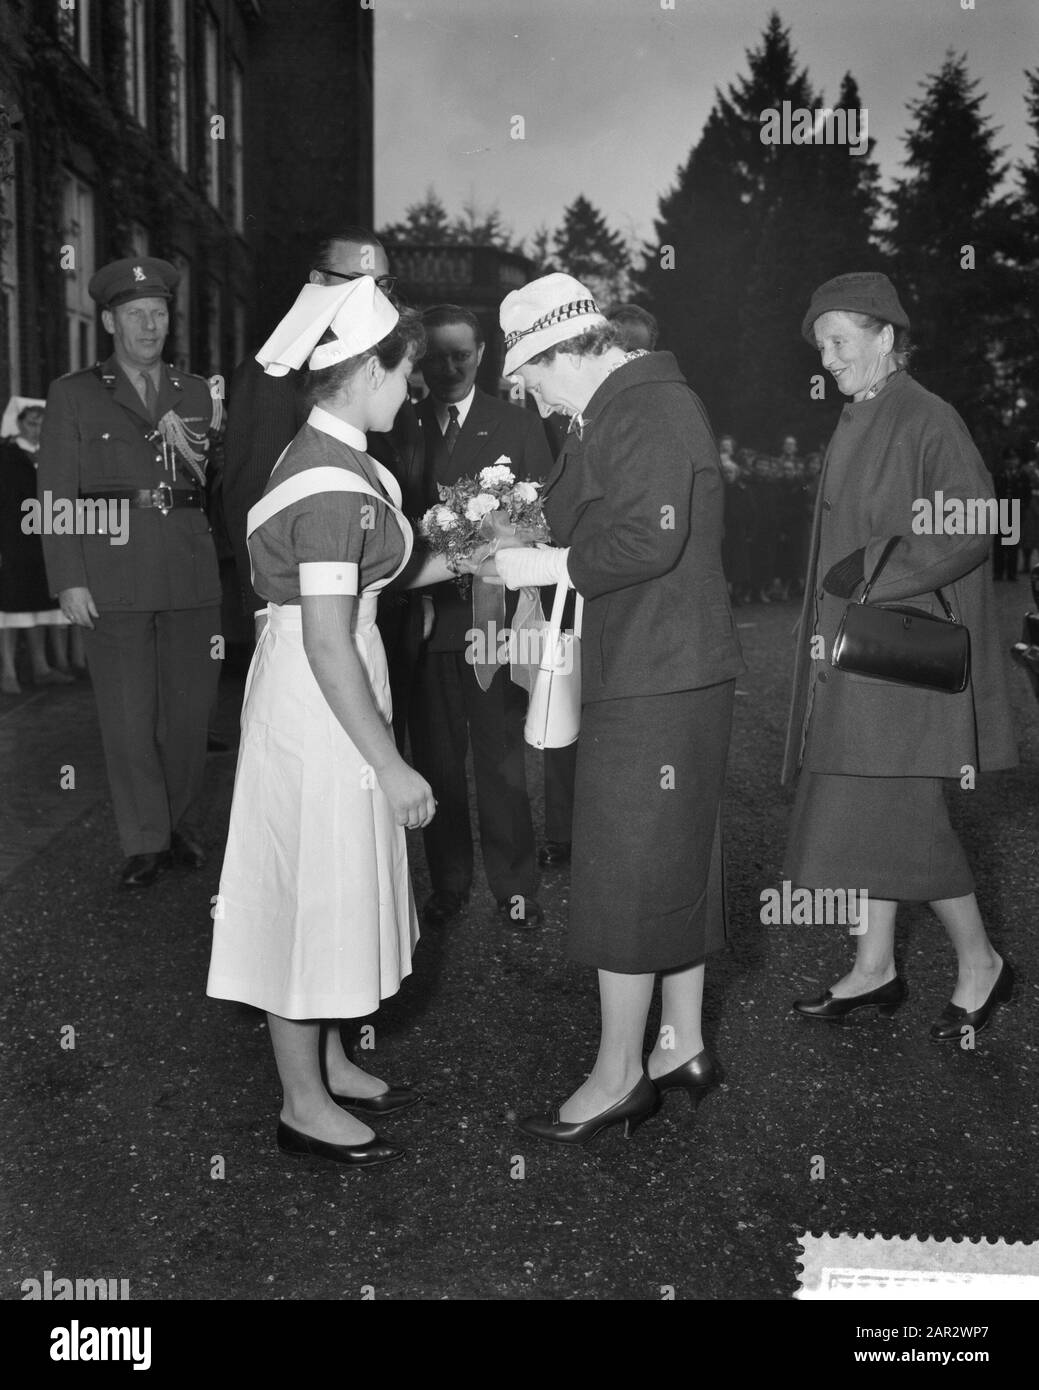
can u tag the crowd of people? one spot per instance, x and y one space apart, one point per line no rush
361 709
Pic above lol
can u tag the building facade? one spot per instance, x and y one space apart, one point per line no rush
222 135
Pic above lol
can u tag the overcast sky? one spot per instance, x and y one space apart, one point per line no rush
614 93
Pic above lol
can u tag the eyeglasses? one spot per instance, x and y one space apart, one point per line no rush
385 283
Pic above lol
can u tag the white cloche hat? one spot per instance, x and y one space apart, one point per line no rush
545 312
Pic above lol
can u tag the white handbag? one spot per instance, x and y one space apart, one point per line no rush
554 710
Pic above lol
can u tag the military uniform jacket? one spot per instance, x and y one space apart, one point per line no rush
95 437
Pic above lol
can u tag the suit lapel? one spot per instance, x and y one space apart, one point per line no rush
125 393
480 426
170 390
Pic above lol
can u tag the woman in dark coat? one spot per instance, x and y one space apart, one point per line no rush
870 813
636 499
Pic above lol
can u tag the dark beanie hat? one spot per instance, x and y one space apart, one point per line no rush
861 292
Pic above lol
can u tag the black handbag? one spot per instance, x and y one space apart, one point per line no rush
899 643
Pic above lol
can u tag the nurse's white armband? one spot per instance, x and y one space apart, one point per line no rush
318 577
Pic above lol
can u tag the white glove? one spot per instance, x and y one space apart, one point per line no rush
523 566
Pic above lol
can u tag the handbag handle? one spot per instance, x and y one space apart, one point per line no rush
885 555
555 622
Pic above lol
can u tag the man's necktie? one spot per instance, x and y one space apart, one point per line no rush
454 429
151 395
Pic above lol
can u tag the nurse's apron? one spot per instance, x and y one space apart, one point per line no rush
315 917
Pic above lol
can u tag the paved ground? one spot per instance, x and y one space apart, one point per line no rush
113 1149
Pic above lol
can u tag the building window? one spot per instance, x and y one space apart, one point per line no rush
140 239
182 314
74 28
136 61
237 149
214 323
213 119
9 282
77 262
179 82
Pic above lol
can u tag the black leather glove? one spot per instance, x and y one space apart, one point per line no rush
846 575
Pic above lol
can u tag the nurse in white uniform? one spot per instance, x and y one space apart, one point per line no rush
315 919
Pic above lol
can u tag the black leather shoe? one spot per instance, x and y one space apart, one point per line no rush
520 912
441 907
141 870
376 1150
884 1000
697 1076
637 1105
952 1020
555 854
393 1098
187 849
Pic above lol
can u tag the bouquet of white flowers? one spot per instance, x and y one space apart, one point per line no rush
485 508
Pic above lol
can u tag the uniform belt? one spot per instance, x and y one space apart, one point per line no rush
163 497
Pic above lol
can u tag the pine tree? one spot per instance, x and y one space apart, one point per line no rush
1021 331
947 218
425 221
697 278
587 249
819 224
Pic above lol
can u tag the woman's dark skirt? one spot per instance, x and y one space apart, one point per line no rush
890 836
646 888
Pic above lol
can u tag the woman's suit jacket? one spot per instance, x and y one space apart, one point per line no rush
886 454
637 496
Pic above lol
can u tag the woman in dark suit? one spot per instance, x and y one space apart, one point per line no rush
636 500
870 813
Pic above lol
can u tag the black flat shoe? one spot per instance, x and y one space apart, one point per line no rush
441 907
187 849
884 1000
637 1105
523 915
393 1098
141 870
555 854
697 1076
952 1020
376 1150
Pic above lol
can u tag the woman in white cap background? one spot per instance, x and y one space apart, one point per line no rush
870 814
26 604
315 919
635 502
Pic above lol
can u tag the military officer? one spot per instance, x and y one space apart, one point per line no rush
130 437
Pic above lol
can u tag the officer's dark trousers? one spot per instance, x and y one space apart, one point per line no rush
154 677
448 711
560 767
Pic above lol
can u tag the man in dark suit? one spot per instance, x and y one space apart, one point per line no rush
465 431
127 440
264 414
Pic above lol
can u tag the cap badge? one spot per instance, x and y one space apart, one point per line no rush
138 274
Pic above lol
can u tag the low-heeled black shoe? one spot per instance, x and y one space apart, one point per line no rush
187 849
385 1103
555 854
376 1150
141 870
952 1020
697 1076
884 1001
640 1102
441 907
520 912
